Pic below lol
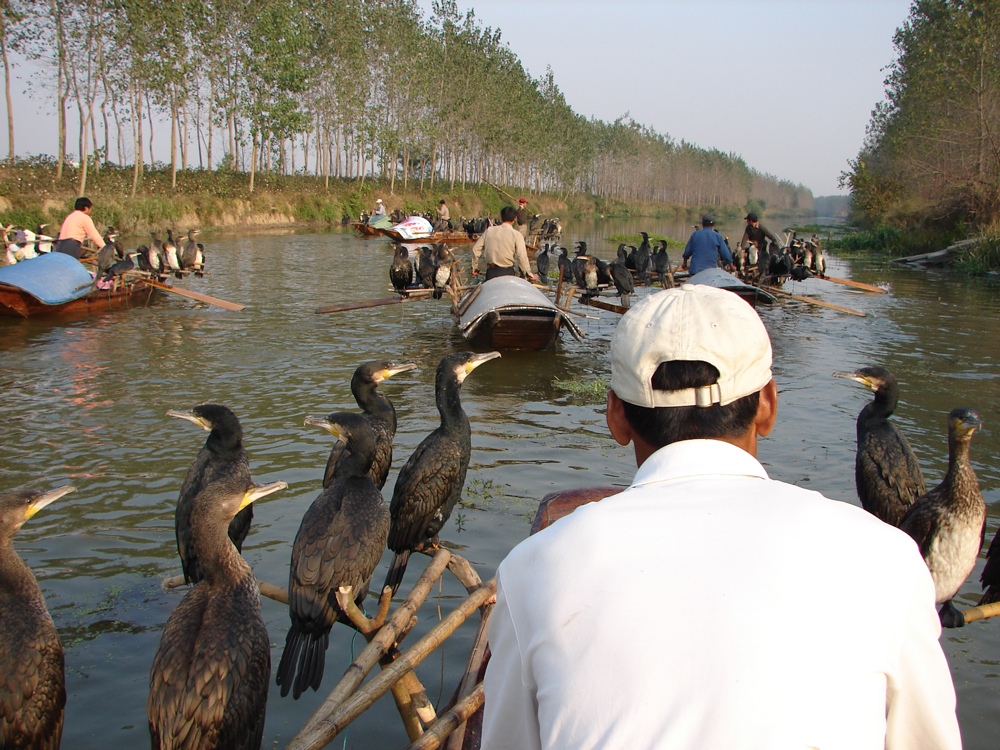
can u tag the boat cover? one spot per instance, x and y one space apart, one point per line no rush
380 222
508 293
724 280
52 279
414 228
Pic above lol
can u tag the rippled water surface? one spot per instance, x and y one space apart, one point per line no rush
84 402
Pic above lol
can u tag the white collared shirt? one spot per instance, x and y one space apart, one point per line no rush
709 607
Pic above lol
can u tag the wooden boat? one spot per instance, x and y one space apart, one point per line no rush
509 313
374 226
723 280
57 284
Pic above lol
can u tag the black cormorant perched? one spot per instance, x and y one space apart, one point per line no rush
31 657
209 679
566 265
121 267
425 266
171 253
222 455
642 259
381 416
948 522
444 262
886 472
154 255
190 255
431 481
622 279
142 259
542 264
661 266
578 264
339 543
105 257
401 271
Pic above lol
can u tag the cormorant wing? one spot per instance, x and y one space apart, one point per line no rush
922 521
423 488
990 577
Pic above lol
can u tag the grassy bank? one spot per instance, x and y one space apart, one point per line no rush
30 194
891 242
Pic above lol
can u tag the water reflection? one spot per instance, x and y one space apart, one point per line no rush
85 401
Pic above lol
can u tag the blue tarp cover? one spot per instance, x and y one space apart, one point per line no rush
52 278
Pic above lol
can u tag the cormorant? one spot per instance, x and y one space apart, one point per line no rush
642 259
381 416
209 679
990 577
142 259
622 279
121 267
154 255
578 264
661 265
170 251
542 264
590 276
443 265
222 456
630 257
566 265
886 472
948 522
425 266
190 256
339 543
31 656
401 271
431 481
105 258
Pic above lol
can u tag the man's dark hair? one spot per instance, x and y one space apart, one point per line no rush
664 425
508 213
82 203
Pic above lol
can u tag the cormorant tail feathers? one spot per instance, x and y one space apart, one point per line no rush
396 570
304 654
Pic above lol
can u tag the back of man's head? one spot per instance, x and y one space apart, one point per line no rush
689 363
82 204
508 213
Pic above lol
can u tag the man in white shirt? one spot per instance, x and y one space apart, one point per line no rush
707 606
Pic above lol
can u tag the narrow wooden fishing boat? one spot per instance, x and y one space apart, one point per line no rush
374 226
57 284
723 280
509 313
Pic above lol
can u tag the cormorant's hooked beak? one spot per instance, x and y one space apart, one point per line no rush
858 377
967 422
45 498
190 416
257 491
479 359
332 427
388 372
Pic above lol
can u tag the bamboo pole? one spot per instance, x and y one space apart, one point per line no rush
451 722
810 301
387 635
468 683
855 284
982 612
318 734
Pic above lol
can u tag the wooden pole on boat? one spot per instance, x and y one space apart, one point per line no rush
415 295
451 722
982 612
811 301
192 295
855 284
317 734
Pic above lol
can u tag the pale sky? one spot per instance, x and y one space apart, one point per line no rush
787 84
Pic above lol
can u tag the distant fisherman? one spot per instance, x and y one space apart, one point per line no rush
705 247
758 234
76 228
503 246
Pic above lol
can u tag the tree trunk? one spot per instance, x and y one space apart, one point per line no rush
173 140
134 100
253 159
6 80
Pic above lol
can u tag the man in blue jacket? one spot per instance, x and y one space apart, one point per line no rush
705 247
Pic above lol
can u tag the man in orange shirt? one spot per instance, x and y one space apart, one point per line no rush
76 228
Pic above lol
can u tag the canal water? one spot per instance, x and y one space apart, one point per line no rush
84 401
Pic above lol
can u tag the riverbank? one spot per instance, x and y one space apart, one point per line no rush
890 242
30 194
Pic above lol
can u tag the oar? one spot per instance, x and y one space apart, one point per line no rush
193 295
855 284
810 301
602 305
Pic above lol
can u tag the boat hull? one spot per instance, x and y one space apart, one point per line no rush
15 303
517 330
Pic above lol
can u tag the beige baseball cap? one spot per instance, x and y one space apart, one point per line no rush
693 323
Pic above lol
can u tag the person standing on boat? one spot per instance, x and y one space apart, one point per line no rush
522 217
76 228
758 234
379 208
444 215
503 246
706 247
707 605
